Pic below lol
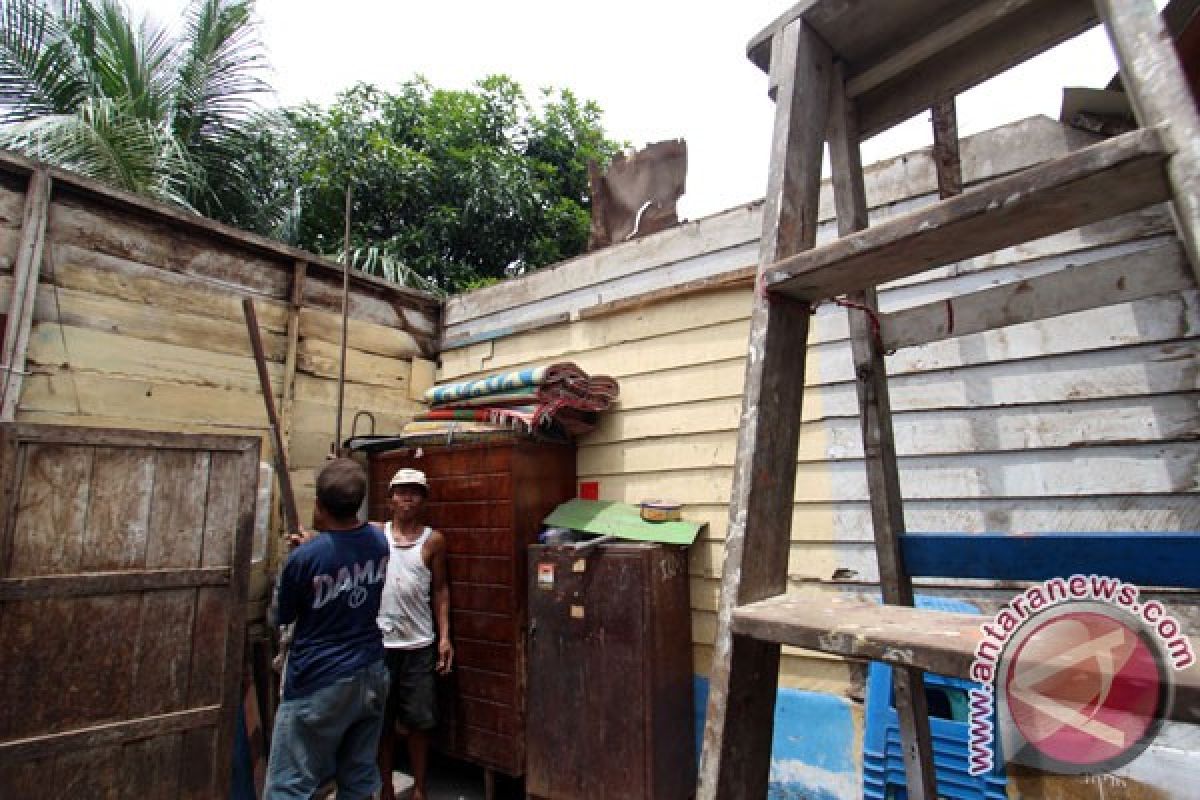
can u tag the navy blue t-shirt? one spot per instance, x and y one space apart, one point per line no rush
331 587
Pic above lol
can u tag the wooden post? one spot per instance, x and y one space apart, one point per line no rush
288 390
875 413
945 149
1159 93
283 475
336 449
745 672
26 272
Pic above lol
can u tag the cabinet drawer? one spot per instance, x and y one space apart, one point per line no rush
484 626
491 656
471 514
475 597
491 686
478 541
492 570
481 486
505 753
466 459
498 718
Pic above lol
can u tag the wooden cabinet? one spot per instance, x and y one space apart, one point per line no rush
489 499
610 674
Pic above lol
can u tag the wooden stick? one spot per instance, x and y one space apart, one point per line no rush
1090 185
290 516
742 686
287 409
341 390
879 446
1158 90
25 283
945 149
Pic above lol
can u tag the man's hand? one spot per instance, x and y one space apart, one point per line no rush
445 659
304 535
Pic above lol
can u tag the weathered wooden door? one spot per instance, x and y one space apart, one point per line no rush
123 569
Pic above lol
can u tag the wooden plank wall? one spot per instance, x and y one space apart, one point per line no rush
138 324
143 541
1083 422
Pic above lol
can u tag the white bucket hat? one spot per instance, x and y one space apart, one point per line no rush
409 477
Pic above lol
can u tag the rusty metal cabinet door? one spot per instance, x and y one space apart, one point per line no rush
124 563
609 695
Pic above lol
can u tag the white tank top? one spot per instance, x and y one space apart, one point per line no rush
405 615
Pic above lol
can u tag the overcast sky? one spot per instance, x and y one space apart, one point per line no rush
660 69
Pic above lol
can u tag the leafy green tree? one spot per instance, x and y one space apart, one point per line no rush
83 87
457 187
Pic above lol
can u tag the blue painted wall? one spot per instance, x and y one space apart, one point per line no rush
816 753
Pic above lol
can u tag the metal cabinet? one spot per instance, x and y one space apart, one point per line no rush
489 498
609 700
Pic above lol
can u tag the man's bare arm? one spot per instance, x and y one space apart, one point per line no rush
441 602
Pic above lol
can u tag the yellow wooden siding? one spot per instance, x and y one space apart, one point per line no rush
1106 398
673 434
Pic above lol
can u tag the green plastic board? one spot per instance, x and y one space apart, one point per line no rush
622 521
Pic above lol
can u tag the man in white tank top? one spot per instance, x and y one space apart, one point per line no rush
416 595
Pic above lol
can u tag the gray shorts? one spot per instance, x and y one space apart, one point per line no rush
412 696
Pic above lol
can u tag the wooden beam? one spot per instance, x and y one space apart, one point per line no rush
742 685
95 583
1158 89
722 282
946 157
83 436
932 641
1024 31
1089 185
1122 279
26 272
978 17
453 342
113 733
235 629
937 641
288 390
280 457
1141 558
902 59
879 447
111 197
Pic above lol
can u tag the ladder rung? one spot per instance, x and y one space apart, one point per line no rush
937 641
1092 184
934 641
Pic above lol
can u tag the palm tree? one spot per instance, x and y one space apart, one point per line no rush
82 87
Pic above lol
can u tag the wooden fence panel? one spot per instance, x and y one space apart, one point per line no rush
124 562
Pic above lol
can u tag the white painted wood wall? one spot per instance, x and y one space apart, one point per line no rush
1083 422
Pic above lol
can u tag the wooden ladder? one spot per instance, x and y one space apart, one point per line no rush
840 72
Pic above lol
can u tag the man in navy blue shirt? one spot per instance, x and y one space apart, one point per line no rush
335 689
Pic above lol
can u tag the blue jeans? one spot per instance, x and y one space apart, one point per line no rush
331 733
